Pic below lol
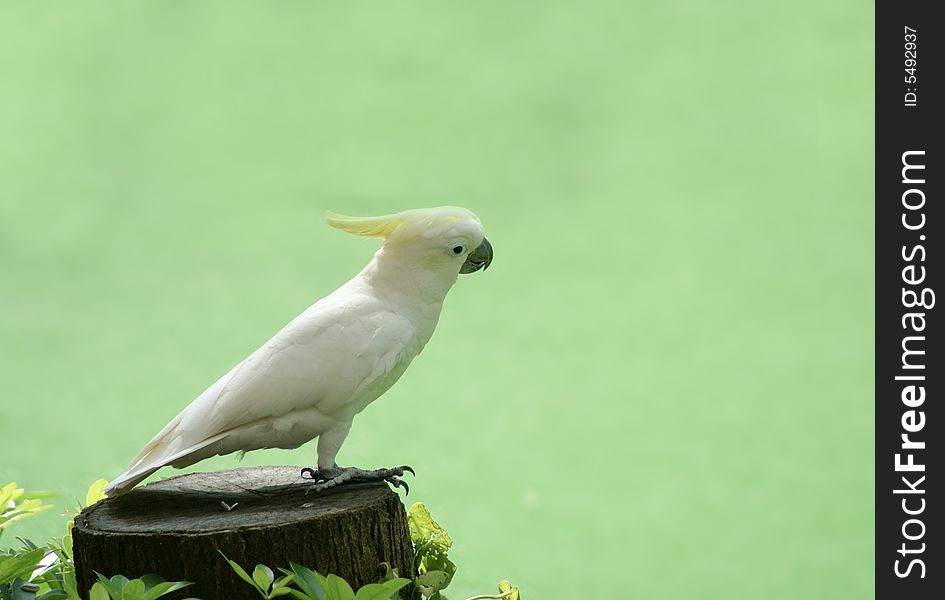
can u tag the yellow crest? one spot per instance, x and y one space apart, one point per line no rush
401 225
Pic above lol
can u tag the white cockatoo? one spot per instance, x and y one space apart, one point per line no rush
334 359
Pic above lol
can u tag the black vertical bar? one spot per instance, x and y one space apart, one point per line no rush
909 368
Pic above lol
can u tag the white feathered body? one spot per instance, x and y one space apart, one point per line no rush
312 377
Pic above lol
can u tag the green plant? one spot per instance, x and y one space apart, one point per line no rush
311 585
434 568
434 572
17 504
148 587
263 579
507 591
17 566
33 572
60 579
430 544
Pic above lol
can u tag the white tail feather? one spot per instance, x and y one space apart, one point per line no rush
150 460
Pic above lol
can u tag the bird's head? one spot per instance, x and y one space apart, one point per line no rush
448 239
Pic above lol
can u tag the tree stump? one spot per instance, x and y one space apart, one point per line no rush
177 528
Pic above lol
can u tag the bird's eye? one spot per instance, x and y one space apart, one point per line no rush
457 249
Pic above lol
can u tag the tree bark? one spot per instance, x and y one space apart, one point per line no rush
177 528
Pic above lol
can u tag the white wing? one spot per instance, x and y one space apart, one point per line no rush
315 374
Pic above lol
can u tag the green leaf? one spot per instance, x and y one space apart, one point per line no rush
119 581
263 577
424 530
164 588
396 584
150 580
310 582
33 507
280 587
381 591
69 584
438 562
99 592
8 492
41 495
506 587
432 582
95 493
67 545
240 571
113 585
372 591
29 505
338 589
27 544
17 504
133 590
20 565
18 592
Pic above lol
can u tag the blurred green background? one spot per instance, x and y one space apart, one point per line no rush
661 388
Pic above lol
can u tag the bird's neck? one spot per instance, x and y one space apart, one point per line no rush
396 273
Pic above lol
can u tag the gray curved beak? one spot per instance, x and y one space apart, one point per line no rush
480 258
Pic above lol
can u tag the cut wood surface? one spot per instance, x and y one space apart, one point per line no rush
177 528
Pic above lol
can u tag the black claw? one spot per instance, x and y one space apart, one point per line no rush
394 481
323 481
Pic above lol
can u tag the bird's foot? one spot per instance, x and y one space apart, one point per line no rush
327 478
